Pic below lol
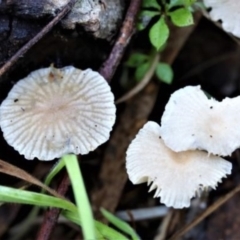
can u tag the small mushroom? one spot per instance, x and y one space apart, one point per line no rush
228 11
53 111
177 177
192 121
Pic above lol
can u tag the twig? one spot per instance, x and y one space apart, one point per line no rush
35 39
206 213
139 214
51 216
143 83
109 67
162 234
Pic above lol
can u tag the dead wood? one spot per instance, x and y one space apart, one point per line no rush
101 18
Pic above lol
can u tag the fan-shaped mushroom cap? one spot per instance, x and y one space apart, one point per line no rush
177 177
53 111
228 11
192 121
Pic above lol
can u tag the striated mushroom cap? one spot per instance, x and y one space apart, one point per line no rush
53 111
192 121
228 11
177 177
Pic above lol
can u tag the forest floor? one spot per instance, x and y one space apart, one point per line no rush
200 55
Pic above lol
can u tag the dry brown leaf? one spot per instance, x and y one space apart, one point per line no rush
14 171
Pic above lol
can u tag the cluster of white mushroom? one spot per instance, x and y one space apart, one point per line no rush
177 158
53 112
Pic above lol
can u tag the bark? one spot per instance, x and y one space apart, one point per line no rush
21 20
100 17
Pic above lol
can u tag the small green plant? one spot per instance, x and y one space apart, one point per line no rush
179 12
142 63
79 213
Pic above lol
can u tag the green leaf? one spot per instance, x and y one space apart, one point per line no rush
164 73
24 225
141 71
136 59
145 17
8 194
108 232
101 229
54 171
185 3
74 217
159 33
188 3
84 208
125 227
181 17
174 3
151 4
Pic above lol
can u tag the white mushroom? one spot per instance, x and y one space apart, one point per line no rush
177 177
192 121
228 11
53 111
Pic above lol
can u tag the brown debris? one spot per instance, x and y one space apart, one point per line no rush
12 170
51 215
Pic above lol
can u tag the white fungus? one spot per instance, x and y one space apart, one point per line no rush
53 111
228 11
192 121
177 177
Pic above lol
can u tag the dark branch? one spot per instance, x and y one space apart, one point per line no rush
51 216
109 67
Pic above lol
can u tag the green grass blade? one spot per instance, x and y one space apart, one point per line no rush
84 208
22 227
102 230
54 171
125 227
108 232
74 217
8 194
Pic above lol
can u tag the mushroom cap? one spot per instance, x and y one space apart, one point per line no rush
192 121
228 11
53 111
177 177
